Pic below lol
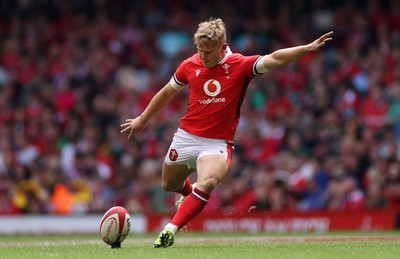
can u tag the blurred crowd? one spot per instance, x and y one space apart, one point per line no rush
320 134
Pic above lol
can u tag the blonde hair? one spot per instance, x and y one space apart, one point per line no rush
210 33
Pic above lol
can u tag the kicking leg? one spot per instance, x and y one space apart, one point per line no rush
175 178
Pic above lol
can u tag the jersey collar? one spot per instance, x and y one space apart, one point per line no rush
227 54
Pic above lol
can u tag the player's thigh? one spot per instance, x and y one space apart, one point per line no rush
211 169
173 176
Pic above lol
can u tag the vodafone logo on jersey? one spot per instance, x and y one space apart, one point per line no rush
212 88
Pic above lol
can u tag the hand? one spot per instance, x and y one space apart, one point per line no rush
133 125
318 43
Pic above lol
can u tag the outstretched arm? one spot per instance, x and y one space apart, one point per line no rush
285 56
159 101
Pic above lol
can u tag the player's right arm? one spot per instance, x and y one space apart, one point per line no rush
159 101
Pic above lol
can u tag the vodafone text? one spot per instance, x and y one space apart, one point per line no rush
212 100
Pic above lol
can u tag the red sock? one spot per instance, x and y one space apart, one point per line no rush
191 206
186 188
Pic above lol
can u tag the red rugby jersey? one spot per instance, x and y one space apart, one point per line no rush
215 94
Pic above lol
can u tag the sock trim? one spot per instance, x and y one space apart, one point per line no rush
198 195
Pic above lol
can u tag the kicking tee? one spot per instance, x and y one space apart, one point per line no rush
215 94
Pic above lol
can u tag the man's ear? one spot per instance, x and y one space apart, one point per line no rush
224 47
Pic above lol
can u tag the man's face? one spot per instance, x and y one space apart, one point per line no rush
211 55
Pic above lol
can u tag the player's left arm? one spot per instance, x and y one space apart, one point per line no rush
282 57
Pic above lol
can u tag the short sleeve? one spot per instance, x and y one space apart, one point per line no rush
249 63
179 79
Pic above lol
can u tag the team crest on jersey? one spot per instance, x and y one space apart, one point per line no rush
226 68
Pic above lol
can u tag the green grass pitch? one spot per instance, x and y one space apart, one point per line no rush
376 245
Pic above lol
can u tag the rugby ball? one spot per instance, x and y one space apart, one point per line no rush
115 226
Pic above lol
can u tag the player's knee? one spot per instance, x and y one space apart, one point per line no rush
169 187
208 185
